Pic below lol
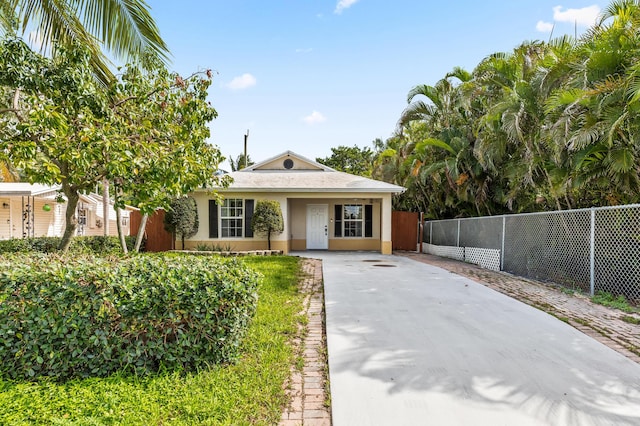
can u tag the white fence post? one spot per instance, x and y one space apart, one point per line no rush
592 254
458 241
504 219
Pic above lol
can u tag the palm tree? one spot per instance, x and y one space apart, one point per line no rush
124 28
595 115
240 162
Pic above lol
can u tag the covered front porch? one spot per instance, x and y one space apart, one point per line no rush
33 210
338 223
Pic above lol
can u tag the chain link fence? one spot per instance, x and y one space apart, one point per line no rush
589 250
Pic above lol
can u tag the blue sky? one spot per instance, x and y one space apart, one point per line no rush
308 75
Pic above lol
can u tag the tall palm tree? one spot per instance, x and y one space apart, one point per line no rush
596 115
124 28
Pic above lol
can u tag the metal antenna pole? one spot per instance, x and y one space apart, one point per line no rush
246 136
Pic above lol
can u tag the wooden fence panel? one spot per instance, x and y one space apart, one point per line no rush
404 230
157 238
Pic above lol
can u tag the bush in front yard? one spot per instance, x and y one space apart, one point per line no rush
94 244
92 316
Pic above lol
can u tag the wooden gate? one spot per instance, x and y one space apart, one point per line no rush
157 238
404 230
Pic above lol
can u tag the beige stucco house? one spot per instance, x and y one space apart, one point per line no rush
323 209
33 210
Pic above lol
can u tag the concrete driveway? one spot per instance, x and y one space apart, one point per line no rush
412 344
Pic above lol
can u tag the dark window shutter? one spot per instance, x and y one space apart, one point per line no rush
338 221
213 219
368 220
248 215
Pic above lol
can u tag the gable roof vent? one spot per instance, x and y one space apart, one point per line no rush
288 163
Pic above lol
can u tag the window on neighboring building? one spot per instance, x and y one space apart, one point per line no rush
353 218
231 217
82 216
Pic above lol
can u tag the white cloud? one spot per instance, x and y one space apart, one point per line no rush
314 118
344 4
243 81
544 27
585 16
306 50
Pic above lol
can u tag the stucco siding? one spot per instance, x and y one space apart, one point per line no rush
202 202
233 245
294 210
344 244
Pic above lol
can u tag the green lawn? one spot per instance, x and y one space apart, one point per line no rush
249 392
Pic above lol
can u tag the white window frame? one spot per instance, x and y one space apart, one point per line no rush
354 231
232 209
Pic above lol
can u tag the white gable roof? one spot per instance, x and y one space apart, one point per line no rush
291 172
298 163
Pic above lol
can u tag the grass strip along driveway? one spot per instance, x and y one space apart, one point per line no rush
249 392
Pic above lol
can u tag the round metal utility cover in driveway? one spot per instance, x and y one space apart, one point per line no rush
416 344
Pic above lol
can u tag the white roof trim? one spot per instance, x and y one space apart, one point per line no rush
285 154
318 179
17 189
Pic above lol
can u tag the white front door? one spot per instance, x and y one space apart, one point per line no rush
317 227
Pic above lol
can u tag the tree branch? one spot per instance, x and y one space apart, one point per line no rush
15 106
179 82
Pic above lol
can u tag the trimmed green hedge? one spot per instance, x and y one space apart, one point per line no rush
94 244
92 316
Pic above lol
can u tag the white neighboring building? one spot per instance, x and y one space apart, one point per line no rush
31 210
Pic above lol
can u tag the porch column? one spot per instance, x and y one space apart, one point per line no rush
10 217
386 246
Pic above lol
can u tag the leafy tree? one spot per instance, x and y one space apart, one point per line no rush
147 136
57 122
124 28
239 163
354 160
182 218
267 219
162 118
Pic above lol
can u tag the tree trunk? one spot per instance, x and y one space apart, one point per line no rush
141 229
269 239
105 206
71 221
123 240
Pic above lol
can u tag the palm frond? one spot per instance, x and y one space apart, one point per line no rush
621 160
125 27
459 73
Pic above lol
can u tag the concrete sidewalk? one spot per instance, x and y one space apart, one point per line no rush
412 344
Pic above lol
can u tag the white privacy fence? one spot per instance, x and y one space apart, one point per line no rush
590 250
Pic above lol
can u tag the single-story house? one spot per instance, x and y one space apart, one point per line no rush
34 210
323 209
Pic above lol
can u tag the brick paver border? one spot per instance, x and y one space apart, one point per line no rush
308 390
599 322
